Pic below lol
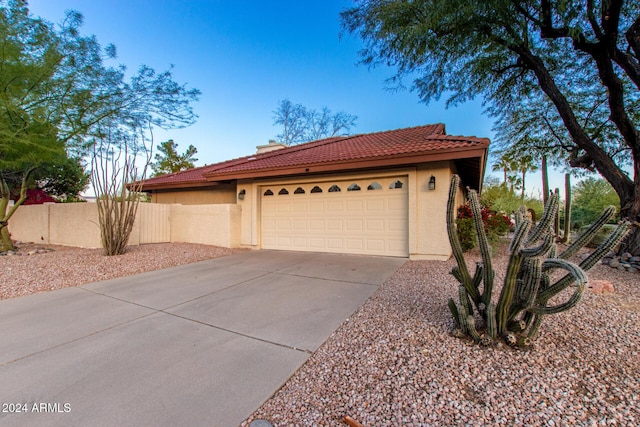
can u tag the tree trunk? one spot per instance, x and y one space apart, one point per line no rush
5 240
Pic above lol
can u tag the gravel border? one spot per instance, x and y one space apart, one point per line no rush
63 266
395 363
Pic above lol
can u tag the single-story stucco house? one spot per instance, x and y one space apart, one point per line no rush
381 193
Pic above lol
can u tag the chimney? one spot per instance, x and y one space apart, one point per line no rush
271 146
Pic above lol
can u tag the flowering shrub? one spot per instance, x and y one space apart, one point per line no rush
36 196
496 225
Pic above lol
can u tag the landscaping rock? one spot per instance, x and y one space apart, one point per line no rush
601 286
614 263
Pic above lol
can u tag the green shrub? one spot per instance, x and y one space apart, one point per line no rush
466 233
495 224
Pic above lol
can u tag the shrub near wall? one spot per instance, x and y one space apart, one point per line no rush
496 225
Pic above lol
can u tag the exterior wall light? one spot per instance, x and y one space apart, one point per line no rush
241 194
432 183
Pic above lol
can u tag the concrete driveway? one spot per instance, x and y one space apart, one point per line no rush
203 344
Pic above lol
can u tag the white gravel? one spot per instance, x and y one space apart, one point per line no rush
394 363
24 274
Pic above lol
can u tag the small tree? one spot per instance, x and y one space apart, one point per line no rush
301 124
116 179
169 161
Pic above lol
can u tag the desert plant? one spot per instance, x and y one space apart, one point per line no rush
528 288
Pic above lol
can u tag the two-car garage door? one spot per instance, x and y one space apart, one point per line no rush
366 216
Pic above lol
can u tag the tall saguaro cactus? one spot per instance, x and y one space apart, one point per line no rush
528 288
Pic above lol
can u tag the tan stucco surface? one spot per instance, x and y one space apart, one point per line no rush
76 224
223 193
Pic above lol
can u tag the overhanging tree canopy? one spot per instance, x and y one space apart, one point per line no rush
58 97
557 75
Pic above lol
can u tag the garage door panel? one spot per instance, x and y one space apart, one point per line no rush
362 222
375 204
354 244
355 206
335 243
334 224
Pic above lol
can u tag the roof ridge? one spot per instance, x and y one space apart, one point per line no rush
280 152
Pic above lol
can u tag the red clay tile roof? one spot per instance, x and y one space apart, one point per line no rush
395 147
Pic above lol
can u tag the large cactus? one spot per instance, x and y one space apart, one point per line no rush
527 289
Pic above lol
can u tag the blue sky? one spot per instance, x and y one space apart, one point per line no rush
246 56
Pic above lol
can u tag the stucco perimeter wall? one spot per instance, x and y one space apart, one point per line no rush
430 227
69 224
76 224
207 224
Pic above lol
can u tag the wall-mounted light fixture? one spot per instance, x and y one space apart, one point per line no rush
241 194
432 183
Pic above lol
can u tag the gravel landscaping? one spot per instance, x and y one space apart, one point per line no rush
394 361
37 268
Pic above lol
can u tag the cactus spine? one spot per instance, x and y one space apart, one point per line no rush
527 288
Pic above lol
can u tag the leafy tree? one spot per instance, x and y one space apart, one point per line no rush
58 97
590 197
301 124
560 77
169 161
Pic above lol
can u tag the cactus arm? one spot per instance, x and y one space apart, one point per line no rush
607 246
492 327
471 328
550 210
485 250
567 208
454 312
464 300
579 276
540 250
462 274
527 292
515 260
589 233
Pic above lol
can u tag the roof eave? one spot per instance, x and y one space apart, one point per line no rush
398 160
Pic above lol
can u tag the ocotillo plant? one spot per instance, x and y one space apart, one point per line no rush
524 300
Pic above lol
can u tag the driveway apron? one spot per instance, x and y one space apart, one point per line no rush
203 344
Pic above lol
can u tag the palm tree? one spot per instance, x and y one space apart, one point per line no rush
525 164
505 164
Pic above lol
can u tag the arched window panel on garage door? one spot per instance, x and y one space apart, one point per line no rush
316 189
374 186
299 190
268 193
396 184
334 189
283 192
353 187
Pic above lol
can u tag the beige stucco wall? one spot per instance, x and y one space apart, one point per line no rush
70 224
430 224
76 224
223 193
207 224
30 223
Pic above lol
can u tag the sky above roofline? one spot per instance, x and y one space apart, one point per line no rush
247 56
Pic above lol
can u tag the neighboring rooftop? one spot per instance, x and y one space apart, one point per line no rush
381 149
